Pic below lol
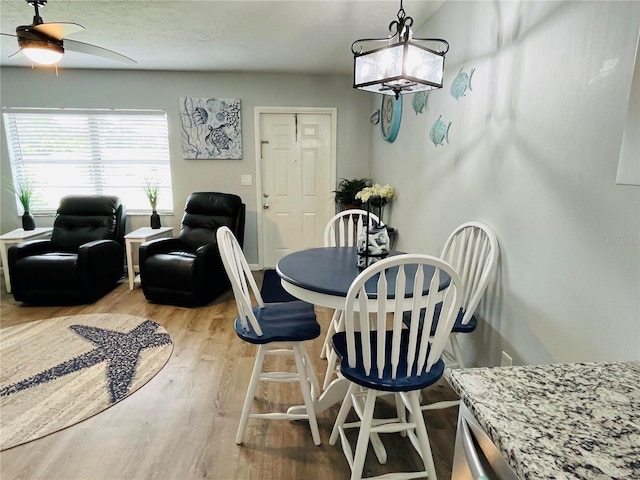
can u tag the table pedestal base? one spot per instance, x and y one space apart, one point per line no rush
333 395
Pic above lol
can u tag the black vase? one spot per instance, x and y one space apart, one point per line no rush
28 222
155 220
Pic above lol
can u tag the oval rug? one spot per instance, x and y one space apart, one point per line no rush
55 373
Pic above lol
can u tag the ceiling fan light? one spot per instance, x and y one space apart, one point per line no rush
43 53
42 56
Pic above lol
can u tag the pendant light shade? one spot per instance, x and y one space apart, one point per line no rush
399 64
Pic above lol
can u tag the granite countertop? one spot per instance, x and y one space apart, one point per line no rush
565 421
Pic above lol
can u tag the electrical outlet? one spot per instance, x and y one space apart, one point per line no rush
246 180
506 360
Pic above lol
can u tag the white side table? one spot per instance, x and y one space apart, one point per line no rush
133 241
15 237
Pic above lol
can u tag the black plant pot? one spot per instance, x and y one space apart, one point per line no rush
155 220
28 222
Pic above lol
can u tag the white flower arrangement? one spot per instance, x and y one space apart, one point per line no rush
386 193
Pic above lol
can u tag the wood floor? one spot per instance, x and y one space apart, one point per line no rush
182 424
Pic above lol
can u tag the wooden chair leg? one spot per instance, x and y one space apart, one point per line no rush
331 369
457 352
311 374
421 433
401 412
326 345
363 436
332 358
374 438
342 413
251 390
306 391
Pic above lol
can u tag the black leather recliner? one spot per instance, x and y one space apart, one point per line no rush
83 260
187 270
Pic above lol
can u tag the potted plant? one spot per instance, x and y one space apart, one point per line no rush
152 189
348 189
24 191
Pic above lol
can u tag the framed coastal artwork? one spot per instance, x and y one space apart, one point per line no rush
211 128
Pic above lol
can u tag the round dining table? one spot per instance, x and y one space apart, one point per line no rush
322 276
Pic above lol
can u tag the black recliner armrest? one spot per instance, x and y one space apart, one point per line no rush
100 259
210 262
160 245
99 251
208 253
31 247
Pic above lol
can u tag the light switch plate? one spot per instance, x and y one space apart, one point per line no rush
246 180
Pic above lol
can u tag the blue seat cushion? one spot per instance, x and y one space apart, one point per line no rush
281 322
402 383
458 327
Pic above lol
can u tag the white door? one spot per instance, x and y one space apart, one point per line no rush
298 179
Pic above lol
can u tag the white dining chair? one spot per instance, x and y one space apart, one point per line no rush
277 329
386 357
473 251
342 230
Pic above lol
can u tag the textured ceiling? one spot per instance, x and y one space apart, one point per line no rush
304 36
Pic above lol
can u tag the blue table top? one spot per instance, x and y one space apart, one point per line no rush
331 270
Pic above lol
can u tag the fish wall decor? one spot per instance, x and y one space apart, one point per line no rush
461 83
420 102
439 132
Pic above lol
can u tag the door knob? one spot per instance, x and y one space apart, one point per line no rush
265 206
265 195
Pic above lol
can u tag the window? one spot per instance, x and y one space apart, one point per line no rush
109 152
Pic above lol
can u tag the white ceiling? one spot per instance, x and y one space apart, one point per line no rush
304 36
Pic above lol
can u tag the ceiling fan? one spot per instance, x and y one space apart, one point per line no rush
45 43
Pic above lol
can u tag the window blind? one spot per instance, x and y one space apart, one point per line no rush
114 152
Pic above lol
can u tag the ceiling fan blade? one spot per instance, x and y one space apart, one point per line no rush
15 54
81 47
58 30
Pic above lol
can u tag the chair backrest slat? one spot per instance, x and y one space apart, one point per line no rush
400 287
412 358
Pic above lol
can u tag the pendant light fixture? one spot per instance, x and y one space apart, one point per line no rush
399 64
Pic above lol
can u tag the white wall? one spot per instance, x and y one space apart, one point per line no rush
24 87
629 162
533 152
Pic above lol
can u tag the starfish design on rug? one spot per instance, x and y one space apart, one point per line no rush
121 350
